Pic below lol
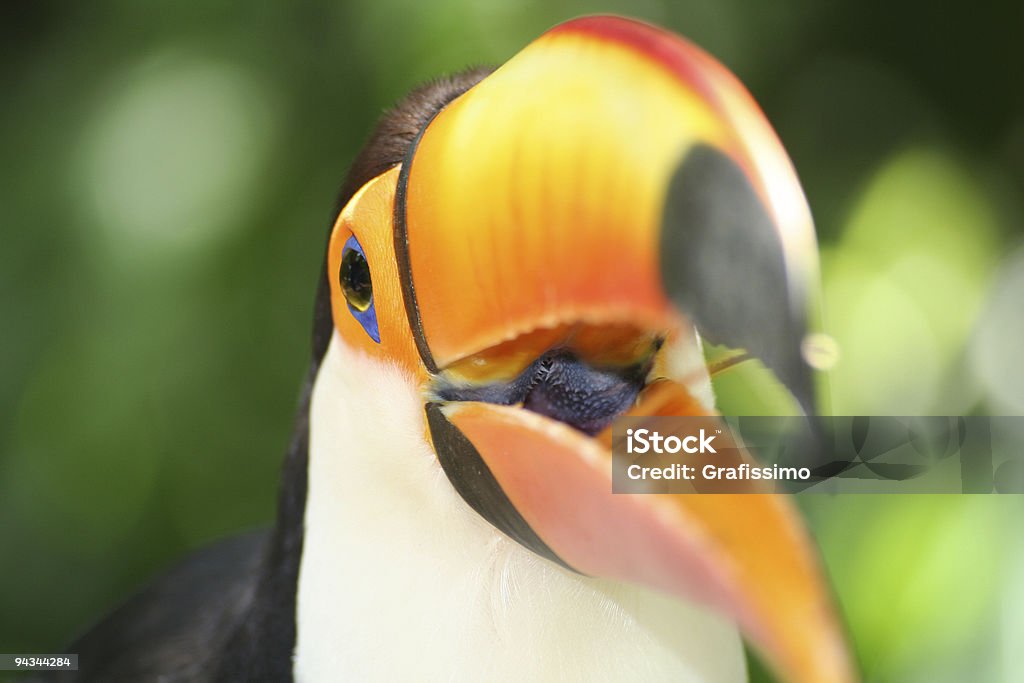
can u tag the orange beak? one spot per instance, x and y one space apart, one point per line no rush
591 206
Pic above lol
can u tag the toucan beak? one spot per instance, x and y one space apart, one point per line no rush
609 190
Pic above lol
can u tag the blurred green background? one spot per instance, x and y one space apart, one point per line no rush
169 177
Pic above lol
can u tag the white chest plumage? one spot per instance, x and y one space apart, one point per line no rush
401 580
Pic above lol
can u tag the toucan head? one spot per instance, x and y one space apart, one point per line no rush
548 252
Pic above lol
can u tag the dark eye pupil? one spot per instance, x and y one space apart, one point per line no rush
355 280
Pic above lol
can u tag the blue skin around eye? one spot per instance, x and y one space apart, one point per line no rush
367 318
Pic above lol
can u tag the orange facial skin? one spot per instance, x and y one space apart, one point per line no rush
368 216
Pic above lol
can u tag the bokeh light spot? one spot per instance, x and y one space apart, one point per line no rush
904 285
996 355
820 350
171 157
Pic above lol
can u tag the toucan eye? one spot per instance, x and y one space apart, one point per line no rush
354 277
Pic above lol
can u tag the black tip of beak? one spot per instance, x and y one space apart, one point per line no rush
723 263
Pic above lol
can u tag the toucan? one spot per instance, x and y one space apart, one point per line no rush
521 256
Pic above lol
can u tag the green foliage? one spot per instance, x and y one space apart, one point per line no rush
170 175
